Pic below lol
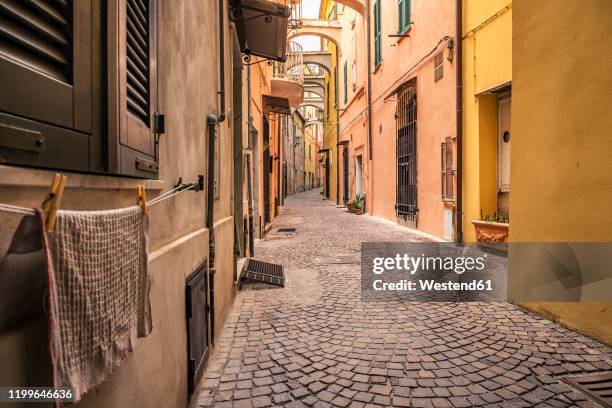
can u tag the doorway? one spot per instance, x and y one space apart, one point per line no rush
503 153
327 177
358 174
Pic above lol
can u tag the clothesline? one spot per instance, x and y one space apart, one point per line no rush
162 197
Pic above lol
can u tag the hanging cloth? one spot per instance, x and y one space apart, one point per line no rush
98 293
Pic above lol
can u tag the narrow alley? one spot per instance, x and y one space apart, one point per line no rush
314 343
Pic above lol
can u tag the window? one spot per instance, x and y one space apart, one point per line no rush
345 83
55 94
438 66
377 34
328 96
446 158
404 16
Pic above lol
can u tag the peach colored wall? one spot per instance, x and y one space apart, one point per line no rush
353 120
436 108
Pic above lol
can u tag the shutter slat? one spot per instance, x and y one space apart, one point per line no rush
136 94
137 56
15 33
25 16
137 75
137 14
134 108
38 34
49 11
135 35
137 82
137 52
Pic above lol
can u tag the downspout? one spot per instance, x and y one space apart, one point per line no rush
249 154
369 85
212 121
459 119
337 129
221 92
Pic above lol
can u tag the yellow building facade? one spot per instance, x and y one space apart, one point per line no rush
561 155
330 115
487 78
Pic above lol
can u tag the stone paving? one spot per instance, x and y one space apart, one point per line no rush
313 343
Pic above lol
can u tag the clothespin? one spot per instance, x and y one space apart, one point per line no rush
54 201
142 199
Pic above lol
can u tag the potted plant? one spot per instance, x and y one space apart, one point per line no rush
492 229
359 204
350 206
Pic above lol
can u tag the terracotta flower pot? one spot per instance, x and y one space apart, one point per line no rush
358 211
491 232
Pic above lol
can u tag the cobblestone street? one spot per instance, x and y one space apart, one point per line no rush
313 343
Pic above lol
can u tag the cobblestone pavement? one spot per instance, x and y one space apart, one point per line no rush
313 343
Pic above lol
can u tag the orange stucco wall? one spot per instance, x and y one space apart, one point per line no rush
435 111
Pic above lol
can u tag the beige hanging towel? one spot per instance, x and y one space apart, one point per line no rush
98 293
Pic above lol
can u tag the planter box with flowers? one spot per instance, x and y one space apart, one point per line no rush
492 229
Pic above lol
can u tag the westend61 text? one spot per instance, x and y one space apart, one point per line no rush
432 285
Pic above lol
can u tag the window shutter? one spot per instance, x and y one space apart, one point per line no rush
447 169
133 87
46 69
407 13
345 82
401 16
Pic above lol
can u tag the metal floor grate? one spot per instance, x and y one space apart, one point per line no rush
286 230
597 386
263 272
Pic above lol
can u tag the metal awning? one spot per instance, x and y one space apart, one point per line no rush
262 27
276 104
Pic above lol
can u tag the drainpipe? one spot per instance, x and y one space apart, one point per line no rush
212 121
221 92
369 85
459 96
249 154
337 130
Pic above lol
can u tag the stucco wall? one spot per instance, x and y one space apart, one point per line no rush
436 108
155 374
561 121
487 64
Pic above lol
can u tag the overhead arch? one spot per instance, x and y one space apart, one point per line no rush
316 105
311 89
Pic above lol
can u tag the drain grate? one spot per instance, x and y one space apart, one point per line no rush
286 230
597 386
263 272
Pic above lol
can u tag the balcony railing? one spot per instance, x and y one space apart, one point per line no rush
293 68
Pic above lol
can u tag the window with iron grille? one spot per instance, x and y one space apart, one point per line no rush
447 171
406 122
71 99
377 34
404 15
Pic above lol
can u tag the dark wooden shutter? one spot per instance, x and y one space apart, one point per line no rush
447 169
46 98
345 83
133 87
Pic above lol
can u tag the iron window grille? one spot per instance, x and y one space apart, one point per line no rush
447 172
406 120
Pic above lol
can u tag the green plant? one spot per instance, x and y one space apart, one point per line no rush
359 201
496 218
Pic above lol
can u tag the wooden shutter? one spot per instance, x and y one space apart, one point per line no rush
345 82
377 34
447 169
132 90
46 98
